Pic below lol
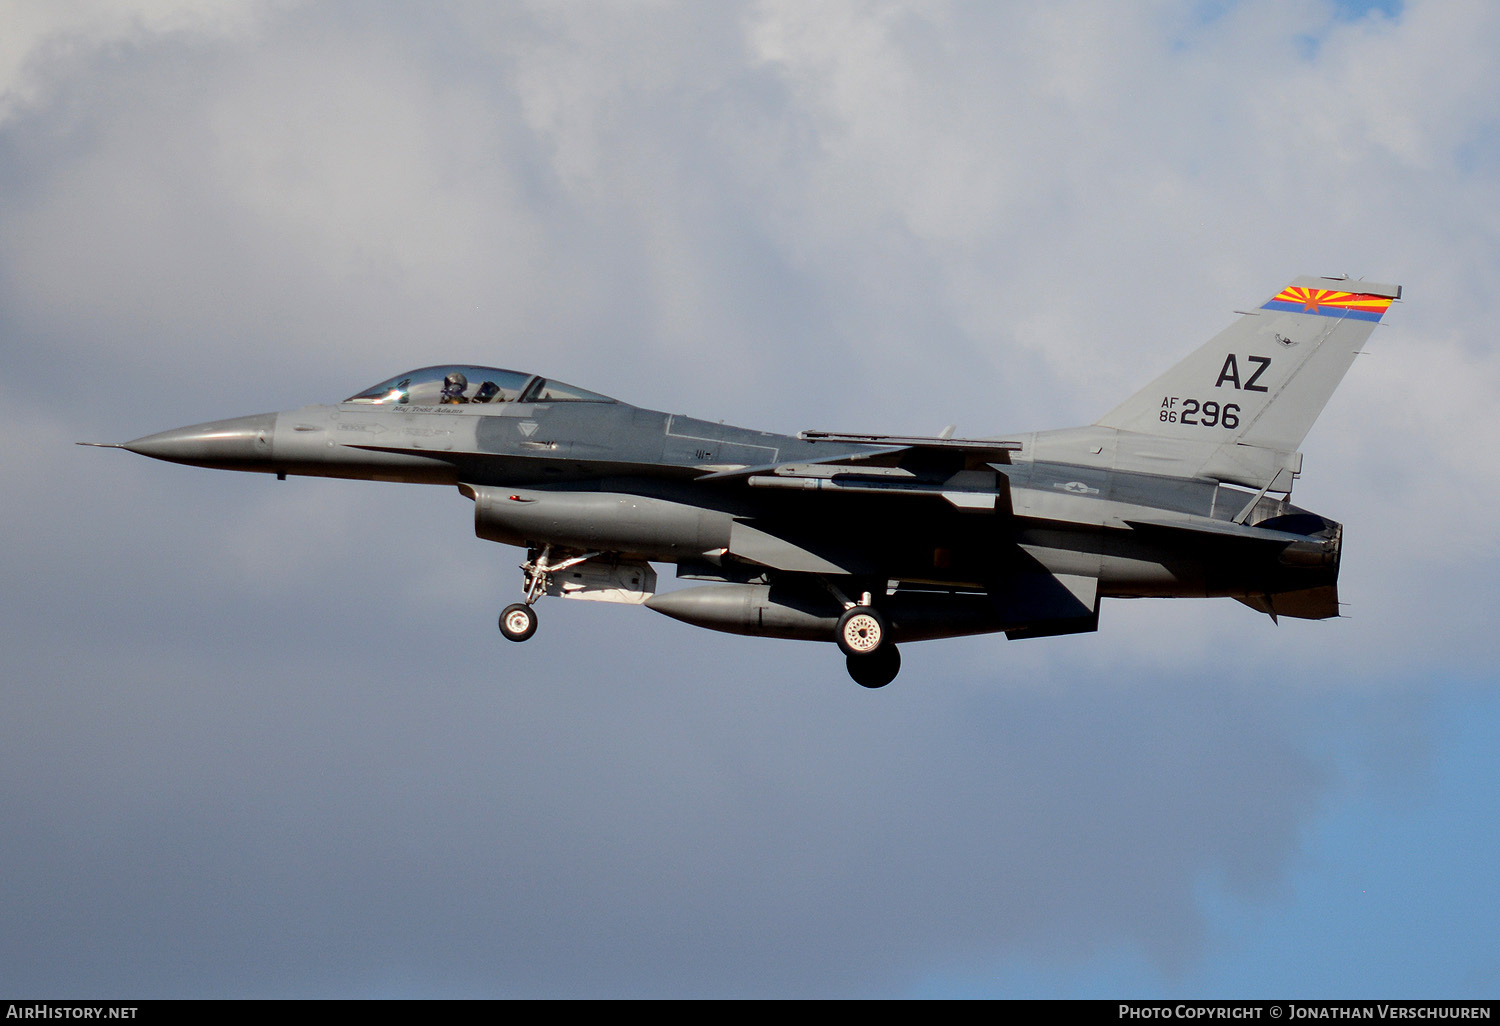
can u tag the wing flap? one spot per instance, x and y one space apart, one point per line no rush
1041 604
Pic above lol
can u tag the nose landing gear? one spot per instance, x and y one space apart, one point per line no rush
518 621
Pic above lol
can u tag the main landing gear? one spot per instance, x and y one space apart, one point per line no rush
864 636
875 670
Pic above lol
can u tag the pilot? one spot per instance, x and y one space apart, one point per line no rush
453 389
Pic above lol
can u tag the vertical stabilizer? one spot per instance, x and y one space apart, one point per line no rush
1263 380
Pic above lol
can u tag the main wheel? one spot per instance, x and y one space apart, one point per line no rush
861 631
875 670
518 622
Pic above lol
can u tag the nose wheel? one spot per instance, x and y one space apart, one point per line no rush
518 622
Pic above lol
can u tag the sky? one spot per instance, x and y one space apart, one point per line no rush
262 739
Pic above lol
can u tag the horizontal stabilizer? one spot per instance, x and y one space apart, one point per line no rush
1218 529
1309 604
1320 548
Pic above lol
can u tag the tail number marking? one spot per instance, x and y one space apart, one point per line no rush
1199 413
1231 373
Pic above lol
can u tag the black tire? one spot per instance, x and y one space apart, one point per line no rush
518 622
875 670
861 631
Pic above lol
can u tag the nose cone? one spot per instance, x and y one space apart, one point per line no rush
242 443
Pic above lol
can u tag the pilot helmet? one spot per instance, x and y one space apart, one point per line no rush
454 384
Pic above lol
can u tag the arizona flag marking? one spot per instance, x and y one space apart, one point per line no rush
1328 303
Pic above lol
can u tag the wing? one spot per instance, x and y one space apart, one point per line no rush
959 470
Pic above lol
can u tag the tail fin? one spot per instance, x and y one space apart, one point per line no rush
1263 380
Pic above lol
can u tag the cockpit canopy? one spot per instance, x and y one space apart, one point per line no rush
454 384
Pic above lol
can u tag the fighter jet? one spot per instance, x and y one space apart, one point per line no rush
867 541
